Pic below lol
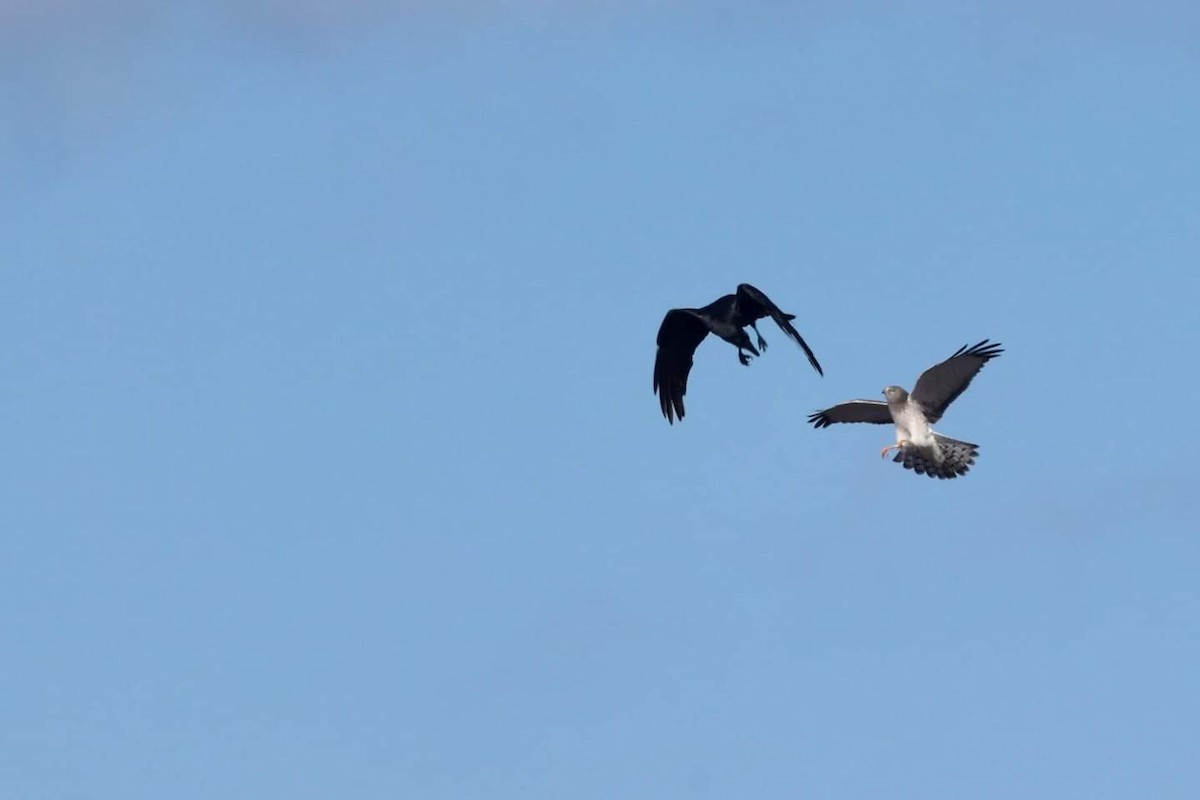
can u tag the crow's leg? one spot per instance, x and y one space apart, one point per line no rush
762 343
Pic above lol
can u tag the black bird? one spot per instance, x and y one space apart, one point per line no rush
683 329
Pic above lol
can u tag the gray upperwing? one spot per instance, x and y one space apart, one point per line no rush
871 411
942 383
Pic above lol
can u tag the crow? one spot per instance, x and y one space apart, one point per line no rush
683 329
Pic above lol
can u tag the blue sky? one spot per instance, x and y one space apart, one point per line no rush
333 467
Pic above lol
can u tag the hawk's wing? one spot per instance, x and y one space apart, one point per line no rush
939 385
872 411
680 334
754 305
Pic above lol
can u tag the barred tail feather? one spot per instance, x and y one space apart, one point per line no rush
956 458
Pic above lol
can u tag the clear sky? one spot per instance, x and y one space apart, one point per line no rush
332 467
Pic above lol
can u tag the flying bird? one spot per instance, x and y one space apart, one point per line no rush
922 449
683 329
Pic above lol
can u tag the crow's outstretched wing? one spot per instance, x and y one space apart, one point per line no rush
753 304
680 334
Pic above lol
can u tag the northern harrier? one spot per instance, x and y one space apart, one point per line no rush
920 448
683 329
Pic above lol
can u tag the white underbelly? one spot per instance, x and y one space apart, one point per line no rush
912 428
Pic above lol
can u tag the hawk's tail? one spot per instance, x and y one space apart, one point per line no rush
956 458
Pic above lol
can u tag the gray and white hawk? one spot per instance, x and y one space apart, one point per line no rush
921 449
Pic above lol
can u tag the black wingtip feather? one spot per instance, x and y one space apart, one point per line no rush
795 336
985 349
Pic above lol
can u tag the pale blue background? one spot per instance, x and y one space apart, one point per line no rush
331 466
